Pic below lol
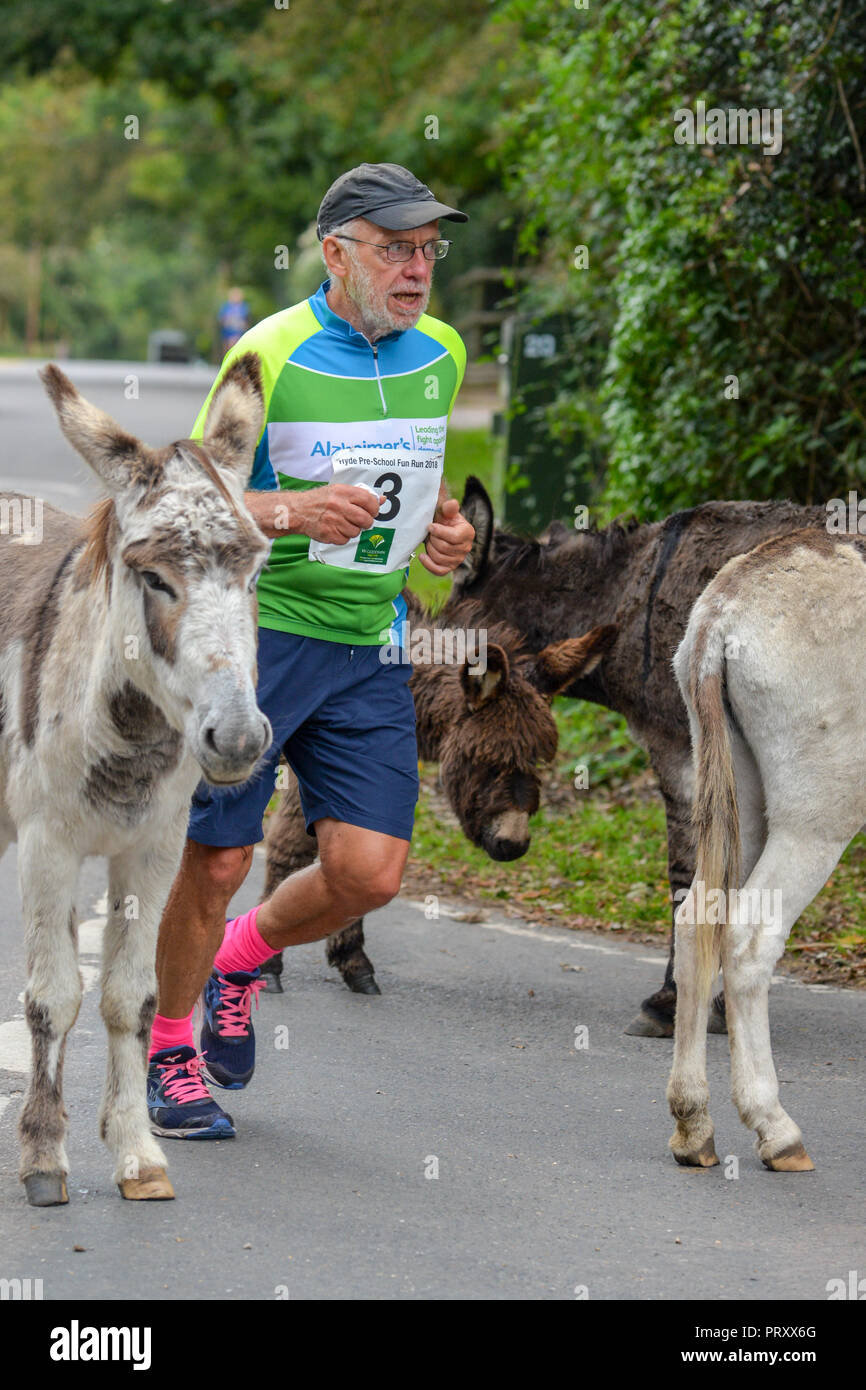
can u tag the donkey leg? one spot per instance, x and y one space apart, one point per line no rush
288 847
656 1016
688 1093
345 950
137 889
786 878
272 972
47 876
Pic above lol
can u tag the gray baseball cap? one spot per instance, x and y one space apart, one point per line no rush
385 193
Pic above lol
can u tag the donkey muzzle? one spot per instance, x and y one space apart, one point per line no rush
507 836
230 734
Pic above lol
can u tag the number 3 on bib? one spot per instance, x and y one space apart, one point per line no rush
409 488
390 484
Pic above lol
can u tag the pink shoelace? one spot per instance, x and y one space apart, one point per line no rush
233 1014
181 1080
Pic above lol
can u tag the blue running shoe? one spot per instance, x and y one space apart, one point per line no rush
227 1040
178 1102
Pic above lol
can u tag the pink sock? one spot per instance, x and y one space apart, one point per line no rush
170 1032
243 948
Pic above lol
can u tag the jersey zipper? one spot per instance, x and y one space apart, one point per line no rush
378 378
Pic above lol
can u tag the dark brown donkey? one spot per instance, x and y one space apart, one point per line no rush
644 579
488 723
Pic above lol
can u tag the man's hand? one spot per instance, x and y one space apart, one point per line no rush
449 539
335 513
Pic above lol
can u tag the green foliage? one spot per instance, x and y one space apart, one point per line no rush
466 451
555 130
708 262
598 740
246 114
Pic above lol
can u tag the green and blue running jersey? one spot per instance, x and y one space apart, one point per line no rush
327 388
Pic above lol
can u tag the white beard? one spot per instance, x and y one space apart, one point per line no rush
372 303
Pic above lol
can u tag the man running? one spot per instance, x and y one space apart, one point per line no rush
359 384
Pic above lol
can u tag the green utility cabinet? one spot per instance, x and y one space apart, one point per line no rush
542 482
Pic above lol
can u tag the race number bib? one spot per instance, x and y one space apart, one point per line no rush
408 482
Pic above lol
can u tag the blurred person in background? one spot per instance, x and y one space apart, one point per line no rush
233 319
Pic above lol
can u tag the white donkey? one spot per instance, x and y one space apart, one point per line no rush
772 671
127 668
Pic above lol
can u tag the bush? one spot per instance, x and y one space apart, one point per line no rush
709 262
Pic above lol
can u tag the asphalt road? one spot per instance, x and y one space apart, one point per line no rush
553 1171
34 456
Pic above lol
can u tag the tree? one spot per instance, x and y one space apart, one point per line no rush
724 305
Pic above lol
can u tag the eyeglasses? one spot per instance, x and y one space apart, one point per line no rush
404 250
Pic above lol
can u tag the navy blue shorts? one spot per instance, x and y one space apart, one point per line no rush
346 723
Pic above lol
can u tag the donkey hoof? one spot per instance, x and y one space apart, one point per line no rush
794 1159
704 1157
46 1190
272 983
362 983
151 1185
646 1025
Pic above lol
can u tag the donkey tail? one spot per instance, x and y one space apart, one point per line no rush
715 814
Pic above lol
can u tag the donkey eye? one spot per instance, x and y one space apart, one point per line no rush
153 581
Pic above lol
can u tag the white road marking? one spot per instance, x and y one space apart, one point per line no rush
15 1035
15 1045
90 936
563 938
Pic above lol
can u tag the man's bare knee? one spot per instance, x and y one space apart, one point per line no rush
361 891
223 869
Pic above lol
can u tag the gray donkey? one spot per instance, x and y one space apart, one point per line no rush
127 669
771 669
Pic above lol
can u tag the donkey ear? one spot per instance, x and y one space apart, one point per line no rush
561 663
478 510
234 419
485 682
118 459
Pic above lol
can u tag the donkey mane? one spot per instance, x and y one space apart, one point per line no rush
100 527
515 552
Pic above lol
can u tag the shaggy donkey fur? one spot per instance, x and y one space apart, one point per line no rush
127 668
